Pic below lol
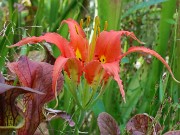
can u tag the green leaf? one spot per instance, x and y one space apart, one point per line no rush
110 11
154 75
38 20
125 60
98 107
134 92
8 35
142 5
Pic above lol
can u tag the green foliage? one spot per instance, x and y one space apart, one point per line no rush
109 10
141 5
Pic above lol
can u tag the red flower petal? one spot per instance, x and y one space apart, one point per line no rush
71 65
53 38
74 69
74 28
151 52
113 70
58 66
28 40
60 42
77 39
92 69
109 44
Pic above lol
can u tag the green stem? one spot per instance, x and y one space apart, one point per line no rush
102 90
81 118
72 87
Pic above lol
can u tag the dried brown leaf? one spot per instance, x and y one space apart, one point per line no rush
54 114
49 58
176 132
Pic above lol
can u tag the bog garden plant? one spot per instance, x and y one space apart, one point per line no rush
77 67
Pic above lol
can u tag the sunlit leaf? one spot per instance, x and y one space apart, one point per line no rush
110 11
141 5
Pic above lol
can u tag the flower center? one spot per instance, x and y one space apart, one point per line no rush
102 59
78 54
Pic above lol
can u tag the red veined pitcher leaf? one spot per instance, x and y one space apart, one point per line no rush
92 71
107 124
113 70
39 78
77 39
109 45
2 80
151 52
22 69
142 124
53 38
10 114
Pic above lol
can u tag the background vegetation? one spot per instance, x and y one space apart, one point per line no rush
149 88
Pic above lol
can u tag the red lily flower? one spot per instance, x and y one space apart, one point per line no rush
73 53
103 53
108 53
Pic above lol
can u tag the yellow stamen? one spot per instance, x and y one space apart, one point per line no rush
78 54
99 30
88 21
76 28
102 59
94 37
105 25
81 23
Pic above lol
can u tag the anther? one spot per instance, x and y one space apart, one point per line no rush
105 25
97 21
80 59
98 30
76 28
81 23
88 21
